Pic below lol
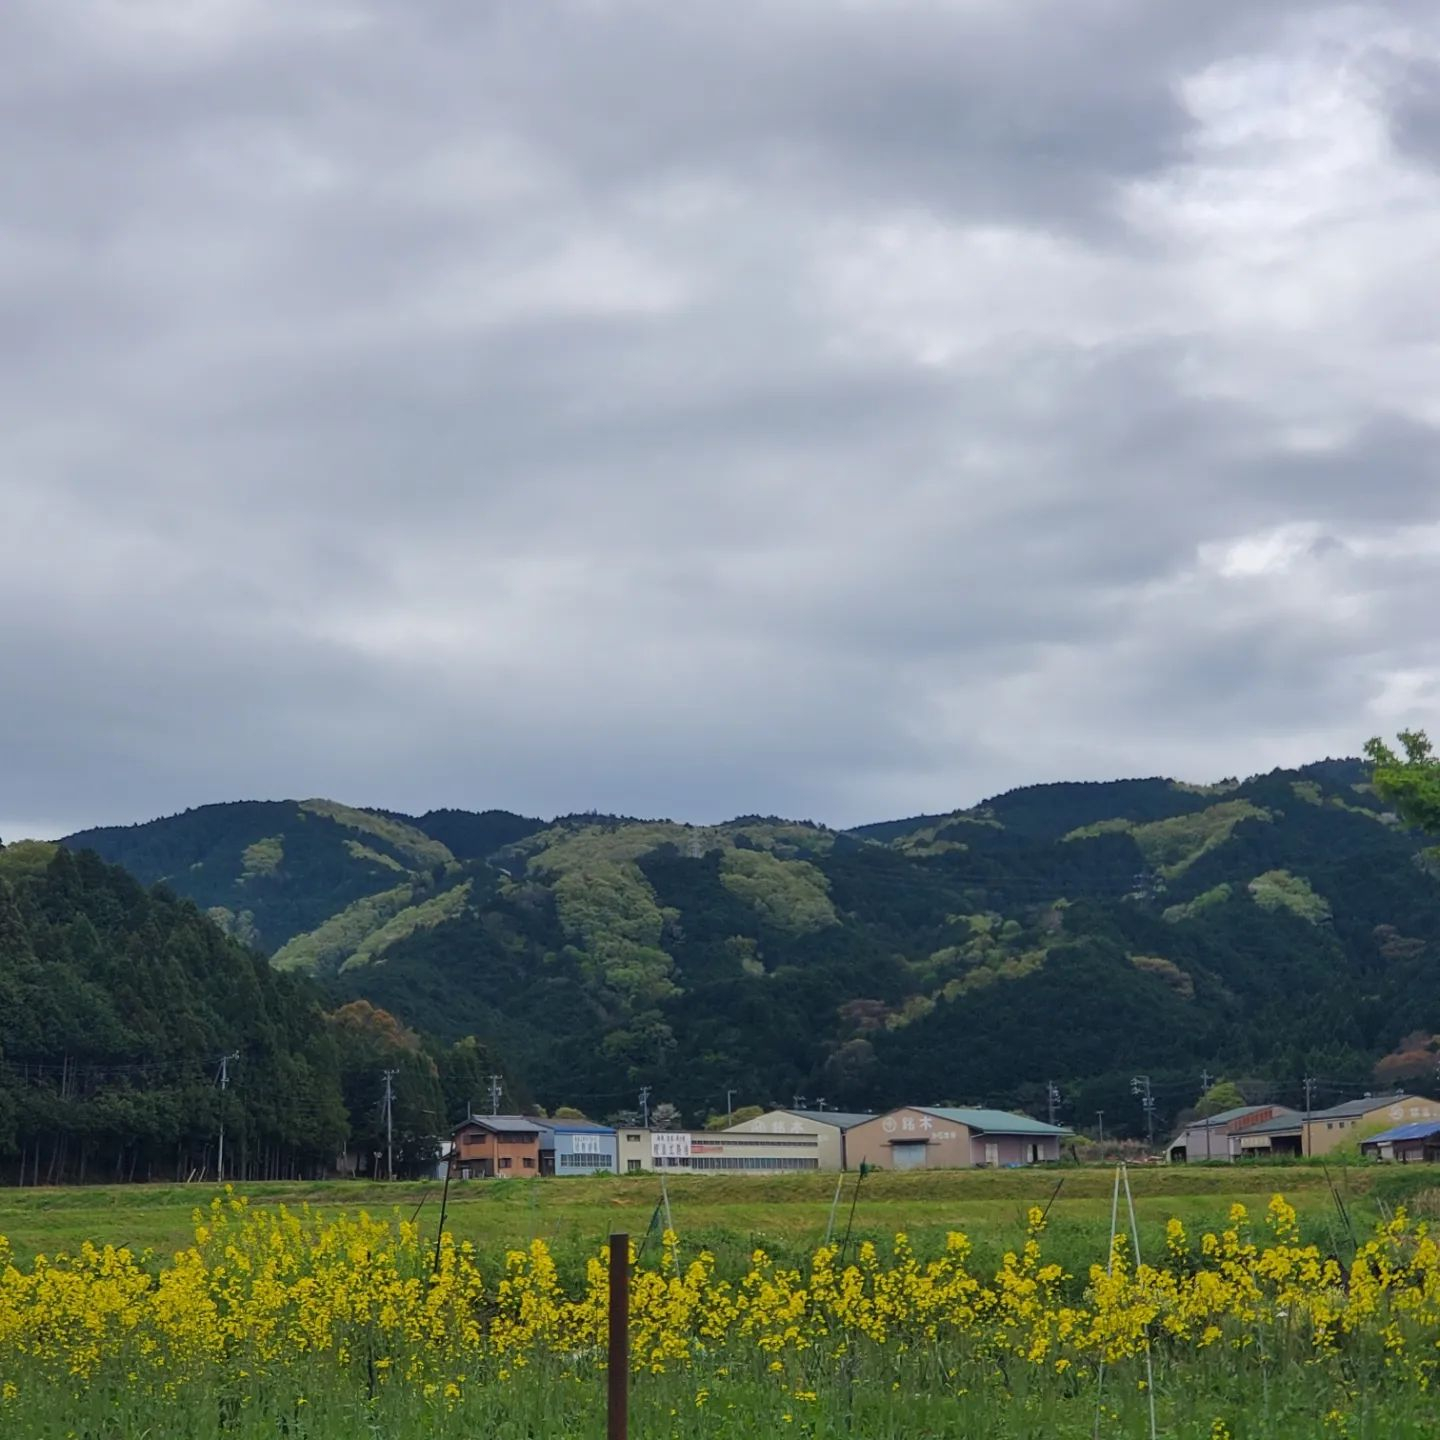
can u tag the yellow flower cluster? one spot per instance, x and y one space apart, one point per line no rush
262 1291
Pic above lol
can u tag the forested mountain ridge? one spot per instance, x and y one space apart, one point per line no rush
1081 933
268 871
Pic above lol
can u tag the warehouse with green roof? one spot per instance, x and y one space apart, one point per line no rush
941 1137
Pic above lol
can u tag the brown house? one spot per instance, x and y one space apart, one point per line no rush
496 1146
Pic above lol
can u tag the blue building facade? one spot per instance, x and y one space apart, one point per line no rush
576 1147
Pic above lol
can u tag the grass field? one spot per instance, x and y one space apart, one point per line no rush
1288 1325
730 1215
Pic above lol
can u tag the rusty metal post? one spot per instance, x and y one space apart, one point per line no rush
617 1376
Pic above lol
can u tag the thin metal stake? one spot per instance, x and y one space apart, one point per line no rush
850 1223
617 1378
1109 1270
1135 1240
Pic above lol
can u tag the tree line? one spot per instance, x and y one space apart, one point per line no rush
134 1033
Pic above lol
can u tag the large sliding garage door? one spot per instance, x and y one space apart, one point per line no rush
908 1154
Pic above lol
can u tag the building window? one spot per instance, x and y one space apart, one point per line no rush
529 1163
754 1162
632 1165
568 1161
504 1162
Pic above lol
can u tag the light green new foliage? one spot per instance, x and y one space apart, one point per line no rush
424 916
1220 787
26 857
1368 812
609 910
1206 900
418 848
241 926
779 836
791 895
1408 779
1308 791
328 945
1280 890
263 857
564 851
923 842
996 950
917 1007
606 905
374 857
1173 845
1014 967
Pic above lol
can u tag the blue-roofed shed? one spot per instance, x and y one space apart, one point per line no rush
1413 1144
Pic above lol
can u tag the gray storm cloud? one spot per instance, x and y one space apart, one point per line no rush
831 409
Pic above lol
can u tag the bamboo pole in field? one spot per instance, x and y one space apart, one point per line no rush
617 1376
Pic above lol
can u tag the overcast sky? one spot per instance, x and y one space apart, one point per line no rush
838 408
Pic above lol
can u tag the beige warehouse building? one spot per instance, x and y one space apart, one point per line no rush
926 1137
693 1152
830 1127
1327 1129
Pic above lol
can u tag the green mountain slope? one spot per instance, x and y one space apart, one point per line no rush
269 871
1077 933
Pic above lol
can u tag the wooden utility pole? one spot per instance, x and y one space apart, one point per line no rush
617 1377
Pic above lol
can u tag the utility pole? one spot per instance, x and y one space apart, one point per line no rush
1309 1097
1206 1079
729 1107
820 1104
224 1086
1140 1086
798 1101
645 1106
389 1126
497 1088
1100 1122
1052 1098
